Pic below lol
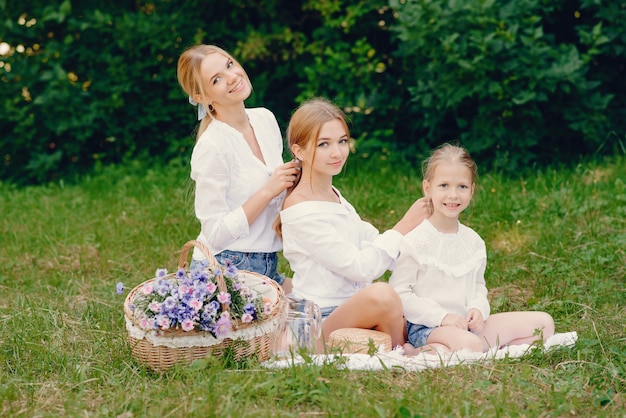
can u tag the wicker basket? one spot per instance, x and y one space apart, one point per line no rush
161 350
360 341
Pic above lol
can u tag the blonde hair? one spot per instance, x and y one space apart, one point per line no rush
451 154
304 129
448 153
189 75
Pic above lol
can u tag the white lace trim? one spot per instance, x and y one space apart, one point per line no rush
204 339
453 254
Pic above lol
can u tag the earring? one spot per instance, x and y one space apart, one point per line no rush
211 108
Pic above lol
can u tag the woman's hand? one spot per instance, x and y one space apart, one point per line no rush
283 177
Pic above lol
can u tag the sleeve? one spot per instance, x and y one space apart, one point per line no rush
325 245
405 277
479 298
220 224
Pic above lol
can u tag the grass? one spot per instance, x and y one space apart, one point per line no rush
556 242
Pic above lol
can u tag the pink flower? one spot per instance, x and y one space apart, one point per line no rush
163 321
183 290
246 318
147 289
146 323
267 308
155 306
210 288
195 304
223 297
187 324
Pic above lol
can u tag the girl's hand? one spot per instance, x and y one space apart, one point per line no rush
419 210
475 321
283 177
454 320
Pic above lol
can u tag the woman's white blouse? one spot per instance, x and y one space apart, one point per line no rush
227 174
332 252
439 273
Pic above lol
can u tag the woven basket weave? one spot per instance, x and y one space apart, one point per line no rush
162 350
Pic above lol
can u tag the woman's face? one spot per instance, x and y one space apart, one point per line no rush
225 81
330 151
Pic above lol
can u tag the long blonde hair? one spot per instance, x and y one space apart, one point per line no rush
304 128
189 75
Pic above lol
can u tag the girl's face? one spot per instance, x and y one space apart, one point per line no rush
329 153
225 81
450 189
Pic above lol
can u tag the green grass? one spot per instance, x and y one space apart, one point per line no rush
556 242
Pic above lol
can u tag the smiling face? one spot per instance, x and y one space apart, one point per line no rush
330 151
225 82
450 189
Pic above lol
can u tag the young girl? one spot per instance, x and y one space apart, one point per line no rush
440 274
236 163
335 256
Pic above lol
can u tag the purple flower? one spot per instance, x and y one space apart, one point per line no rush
180 274
249 308
231 271
119 288
170 303
160 273
223 325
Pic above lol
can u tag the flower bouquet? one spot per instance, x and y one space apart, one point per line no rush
209 310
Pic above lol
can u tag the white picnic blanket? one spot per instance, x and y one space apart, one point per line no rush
422 361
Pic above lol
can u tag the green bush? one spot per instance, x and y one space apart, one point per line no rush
491 75
519 83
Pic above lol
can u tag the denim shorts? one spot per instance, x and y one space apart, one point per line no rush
262 263
327 311
418 334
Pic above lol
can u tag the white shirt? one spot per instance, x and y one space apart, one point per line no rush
227 174
439 273
332 252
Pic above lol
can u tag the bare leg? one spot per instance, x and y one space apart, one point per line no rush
456 339
409 350
378 307
511 328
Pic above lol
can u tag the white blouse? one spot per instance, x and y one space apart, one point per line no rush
332 252
227 174
439 273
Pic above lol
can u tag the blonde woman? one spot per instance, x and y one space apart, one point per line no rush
240 177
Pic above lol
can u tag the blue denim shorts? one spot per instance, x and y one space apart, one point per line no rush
262 263
327 311
418 334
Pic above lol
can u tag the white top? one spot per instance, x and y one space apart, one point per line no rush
332 252
439 273
227 174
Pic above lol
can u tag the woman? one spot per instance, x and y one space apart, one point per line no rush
236 164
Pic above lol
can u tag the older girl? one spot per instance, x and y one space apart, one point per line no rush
335 256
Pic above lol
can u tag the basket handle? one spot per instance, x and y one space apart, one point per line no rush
213 264
182 260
